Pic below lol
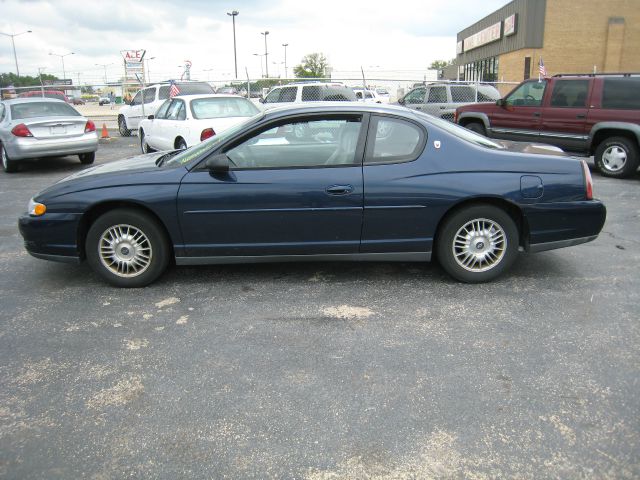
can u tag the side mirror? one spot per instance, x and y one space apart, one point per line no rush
501 102
261 100
218 163
151 117
401 101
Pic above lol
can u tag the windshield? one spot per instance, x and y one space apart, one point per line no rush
42 109
197 150
461 132
222 108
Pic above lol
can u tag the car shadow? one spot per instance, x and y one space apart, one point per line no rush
69 164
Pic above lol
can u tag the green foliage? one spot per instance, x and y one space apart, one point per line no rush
438 64
7 79
313 65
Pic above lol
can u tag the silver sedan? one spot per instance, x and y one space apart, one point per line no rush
42 127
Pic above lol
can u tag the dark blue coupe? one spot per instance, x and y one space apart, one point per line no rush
323 182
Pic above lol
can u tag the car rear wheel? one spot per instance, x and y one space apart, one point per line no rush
617 157
181 144
144 146
87 158
477 243
122 127
127 248
8 165
476 127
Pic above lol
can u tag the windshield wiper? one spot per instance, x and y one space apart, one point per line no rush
166 157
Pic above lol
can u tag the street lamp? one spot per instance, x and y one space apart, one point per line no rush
148 71
285 45
64 73
266 53
261 69
105 65
235 58
13 43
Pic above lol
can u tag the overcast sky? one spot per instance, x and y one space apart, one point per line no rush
376 35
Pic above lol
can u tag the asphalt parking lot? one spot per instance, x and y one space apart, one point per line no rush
321 371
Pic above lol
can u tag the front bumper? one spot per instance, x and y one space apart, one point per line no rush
31 147
52 236
563 224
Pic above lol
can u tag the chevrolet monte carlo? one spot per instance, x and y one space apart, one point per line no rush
331 181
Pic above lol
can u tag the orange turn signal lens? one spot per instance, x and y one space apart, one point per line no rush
39 209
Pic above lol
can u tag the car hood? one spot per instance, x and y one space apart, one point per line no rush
534 148
139 162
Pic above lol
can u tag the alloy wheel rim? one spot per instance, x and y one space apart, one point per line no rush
614 158
125 250
479 245
4 157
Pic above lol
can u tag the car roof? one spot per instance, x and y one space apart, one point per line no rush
13 101
196 96
339 107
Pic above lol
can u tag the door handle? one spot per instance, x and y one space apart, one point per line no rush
581 116
443 108
339 189
418 108
536 114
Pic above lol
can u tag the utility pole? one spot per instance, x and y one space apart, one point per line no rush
285 45
13 44
266 54
64 73
235 58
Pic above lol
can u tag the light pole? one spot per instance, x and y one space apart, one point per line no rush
13 43
40 69
266 53
105 65
285 45
235 58
148 71
261 69
64 73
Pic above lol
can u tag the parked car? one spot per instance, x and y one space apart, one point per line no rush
55 94
104 101
442 99
147 101
76 101
358 182
368 96
384 94
186 120
227 90
308 92
41 127
586 114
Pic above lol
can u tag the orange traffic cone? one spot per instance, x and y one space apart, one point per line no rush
105 132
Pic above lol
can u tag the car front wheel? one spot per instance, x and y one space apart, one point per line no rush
122 127
477 243
87 158
144 146
476 127
8 165
128 248
617 157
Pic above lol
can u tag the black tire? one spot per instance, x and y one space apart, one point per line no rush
144 146
154 242
497 256
181 144
8 165
476 127
122 127
617 157
87 158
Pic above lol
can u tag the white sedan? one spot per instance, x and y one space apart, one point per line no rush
186 120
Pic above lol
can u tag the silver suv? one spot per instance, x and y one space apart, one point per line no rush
442 99
308 92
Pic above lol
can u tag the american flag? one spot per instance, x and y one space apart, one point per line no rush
543 70
173 89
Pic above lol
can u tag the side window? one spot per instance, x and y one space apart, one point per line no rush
137 100
570 93
182 112
305 143
621 93
311 94
149 95
437 95
359 95
163 93
174 110
415 96
273 96
288 94
463 94
529 94
395 140
162 111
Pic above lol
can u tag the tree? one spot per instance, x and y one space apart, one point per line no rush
439 64
7 79
313 65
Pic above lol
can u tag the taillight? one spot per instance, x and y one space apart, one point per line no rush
21 130
588 182
89 127
207 133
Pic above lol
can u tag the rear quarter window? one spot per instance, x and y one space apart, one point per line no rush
621 93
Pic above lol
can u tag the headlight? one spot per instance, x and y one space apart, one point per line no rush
36 209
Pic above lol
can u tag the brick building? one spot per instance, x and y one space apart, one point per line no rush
571 36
